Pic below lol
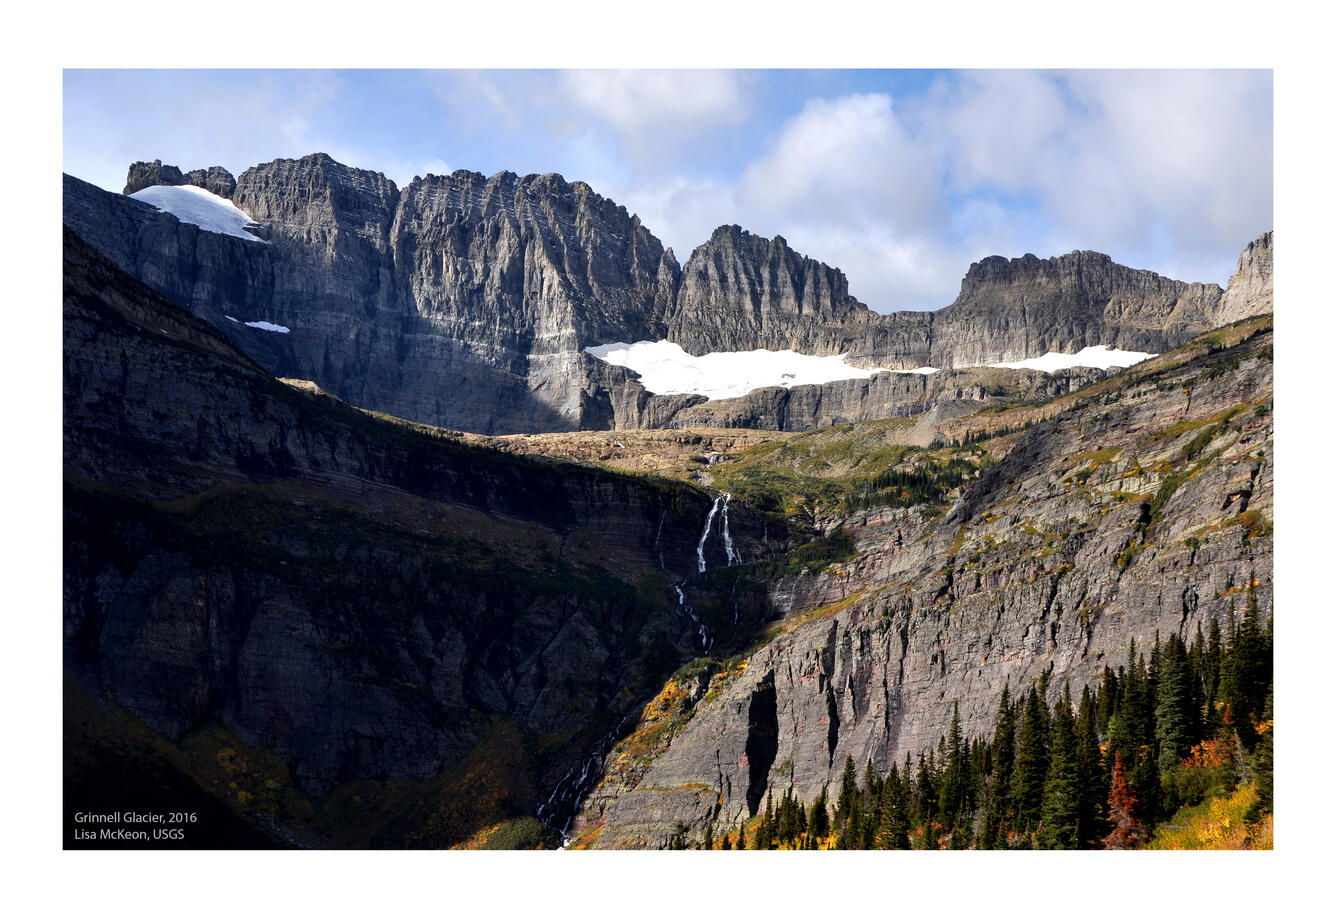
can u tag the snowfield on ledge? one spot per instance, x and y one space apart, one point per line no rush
665 368
204 209
1101 356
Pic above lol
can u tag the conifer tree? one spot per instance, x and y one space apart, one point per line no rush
1126 830
1003 763
951 799
820 817
925 793
1263 766
1090 769
1175 730
848 792
1061 807
1106 696
893 832
1027 786
1247 671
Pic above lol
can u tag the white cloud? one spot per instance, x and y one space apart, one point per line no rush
1169 170
845 160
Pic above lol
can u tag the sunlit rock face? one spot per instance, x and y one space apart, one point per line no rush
468 301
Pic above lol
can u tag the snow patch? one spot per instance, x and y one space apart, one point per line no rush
1101 356
269 326
665 367
204 209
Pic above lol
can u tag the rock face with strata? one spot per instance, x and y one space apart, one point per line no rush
740 292
466 301
459 300
215 179
1142 509
1009 309
368 600
1251 289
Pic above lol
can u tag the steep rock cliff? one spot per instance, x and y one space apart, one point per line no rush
466 301
459 300
740 291
1009 309
1251 289
367 599
1144 507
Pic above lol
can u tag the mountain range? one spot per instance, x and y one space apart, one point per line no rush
399 300
363 548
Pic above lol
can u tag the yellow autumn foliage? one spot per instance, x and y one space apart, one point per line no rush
1219 823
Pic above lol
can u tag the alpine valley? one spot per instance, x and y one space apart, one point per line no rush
464 515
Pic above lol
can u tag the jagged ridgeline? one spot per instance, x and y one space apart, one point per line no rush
467 302
296 606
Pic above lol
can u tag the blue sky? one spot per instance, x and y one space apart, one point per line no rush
900 178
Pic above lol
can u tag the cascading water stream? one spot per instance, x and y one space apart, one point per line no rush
575 784
705 533
733 557
571 790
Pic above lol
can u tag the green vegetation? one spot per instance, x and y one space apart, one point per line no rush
1171 753
846 468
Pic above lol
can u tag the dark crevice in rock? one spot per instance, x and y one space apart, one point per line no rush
762 740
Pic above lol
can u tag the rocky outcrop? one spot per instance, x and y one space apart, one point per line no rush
1009 309
145 175
1251 288
215 179
741 292
460 300
365 598
1143 509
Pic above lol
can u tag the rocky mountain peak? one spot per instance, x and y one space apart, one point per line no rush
145 175
214 179
742 291
317 190
998 270
1251 289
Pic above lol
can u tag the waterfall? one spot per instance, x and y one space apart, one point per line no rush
733 557
706 639
571 790
709 521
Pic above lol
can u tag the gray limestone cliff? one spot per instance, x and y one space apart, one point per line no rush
1144 508
459 300
466 301
1010 309
740 292
1251 289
